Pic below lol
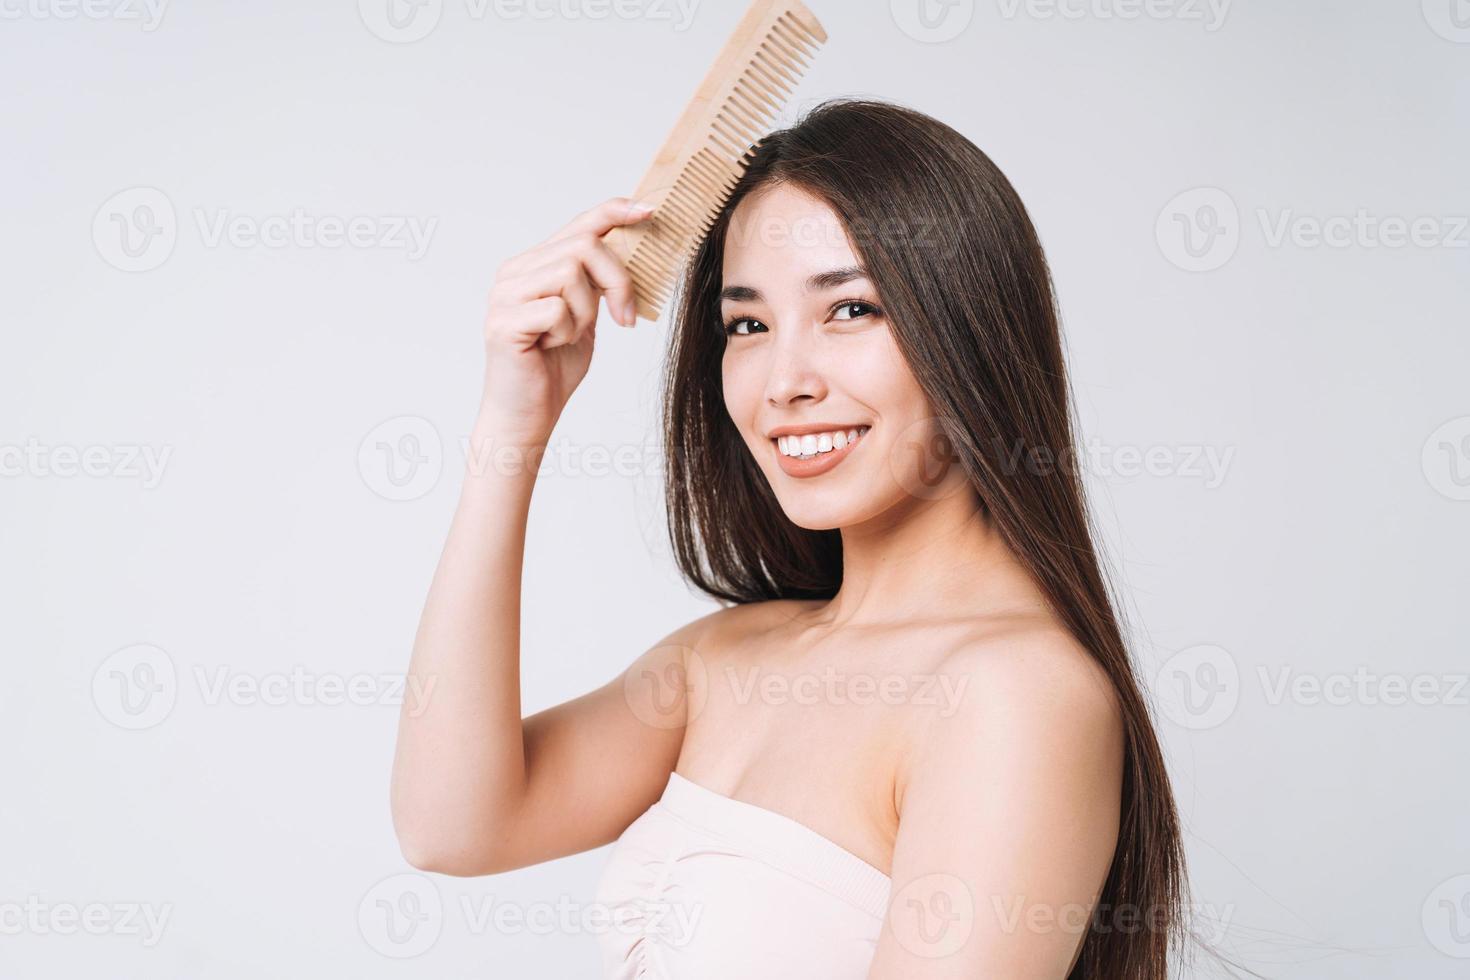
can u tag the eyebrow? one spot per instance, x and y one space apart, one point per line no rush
830 279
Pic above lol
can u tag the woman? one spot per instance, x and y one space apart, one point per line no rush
912 746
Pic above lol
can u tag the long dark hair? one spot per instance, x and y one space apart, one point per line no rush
968 294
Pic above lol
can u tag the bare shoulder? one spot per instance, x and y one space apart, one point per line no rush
1031 667
748 618
724 627
1029 694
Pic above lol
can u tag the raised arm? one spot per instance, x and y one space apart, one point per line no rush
476 789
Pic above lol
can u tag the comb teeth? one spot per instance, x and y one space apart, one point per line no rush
713 142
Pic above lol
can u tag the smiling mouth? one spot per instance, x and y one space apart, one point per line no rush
816 444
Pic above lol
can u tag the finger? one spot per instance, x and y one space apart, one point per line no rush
524 324
593 223
563 331
599 220
559 337
565 277
606 272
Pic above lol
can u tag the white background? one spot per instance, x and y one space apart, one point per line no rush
1326 546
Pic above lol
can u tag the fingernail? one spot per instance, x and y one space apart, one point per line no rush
630 313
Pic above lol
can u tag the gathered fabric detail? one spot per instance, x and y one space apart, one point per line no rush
706 886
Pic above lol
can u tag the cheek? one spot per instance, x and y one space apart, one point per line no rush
879 371
741 386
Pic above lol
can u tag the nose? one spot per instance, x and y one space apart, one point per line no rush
794 371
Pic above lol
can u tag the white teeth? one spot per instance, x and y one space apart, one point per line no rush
815 443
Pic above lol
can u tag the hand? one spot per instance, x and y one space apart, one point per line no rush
542 319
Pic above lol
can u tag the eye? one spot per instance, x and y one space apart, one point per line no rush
849 304
864 309
733 326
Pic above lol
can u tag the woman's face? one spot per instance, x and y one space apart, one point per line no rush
809 355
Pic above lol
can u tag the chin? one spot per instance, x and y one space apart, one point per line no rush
824 509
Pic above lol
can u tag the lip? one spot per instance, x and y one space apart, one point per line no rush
807 428
817 465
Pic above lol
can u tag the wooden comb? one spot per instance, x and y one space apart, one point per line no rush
694 172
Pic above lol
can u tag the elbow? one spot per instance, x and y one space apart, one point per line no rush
460 852
422 853
446 857
449 836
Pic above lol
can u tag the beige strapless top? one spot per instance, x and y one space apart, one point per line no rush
706 887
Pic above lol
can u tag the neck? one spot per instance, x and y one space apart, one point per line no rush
928 559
